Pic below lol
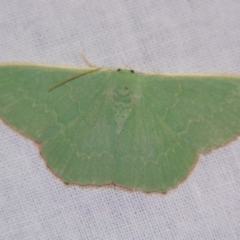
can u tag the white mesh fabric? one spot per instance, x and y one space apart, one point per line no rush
188 36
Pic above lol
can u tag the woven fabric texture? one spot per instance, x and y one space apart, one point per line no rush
157 36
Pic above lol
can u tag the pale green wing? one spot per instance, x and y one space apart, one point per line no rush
138 131
175 118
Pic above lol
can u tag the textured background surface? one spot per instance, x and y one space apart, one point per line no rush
191 36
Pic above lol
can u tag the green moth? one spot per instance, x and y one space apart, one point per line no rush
100 127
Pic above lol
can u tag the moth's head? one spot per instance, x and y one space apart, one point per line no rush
125 71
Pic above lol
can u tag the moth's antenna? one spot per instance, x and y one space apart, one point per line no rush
95 68
72 78
87 62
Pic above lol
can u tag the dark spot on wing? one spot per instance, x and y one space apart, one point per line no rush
131 71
